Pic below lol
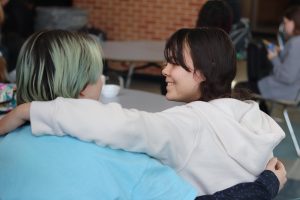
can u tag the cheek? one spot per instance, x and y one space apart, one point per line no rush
96 90
289 28
99 88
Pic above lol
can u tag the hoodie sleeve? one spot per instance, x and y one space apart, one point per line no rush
264 188
168 136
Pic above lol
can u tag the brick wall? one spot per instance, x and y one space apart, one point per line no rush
140 19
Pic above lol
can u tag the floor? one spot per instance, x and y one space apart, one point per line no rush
284 151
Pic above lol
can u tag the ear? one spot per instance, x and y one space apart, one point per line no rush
82 94
92 91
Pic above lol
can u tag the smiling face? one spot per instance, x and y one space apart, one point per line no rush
183 85
201 65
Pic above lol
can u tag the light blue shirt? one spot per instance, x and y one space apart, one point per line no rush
50 167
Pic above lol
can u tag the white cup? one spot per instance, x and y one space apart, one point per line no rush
110 90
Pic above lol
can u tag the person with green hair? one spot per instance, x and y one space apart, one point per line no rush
58 64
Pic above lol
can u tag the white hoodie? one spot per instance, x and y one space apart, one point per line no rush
213 145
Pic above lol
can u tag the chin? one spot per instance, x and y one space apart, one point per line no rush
171 98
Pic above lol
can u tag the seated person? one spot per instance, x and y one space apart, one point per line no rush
283 82
61 63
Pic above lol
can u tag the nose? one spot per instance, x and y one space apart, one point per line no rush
165 70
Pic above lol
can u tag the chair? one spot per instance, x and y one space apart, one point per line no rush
286 106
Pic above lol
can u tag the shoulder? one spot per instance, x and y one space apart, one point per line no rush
293 42
221 103
228 107
61 160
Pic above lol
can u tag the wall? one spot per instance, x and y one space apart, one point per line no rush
141 19
260 20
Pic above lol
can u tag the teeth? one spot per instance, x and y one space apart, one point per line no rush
170 83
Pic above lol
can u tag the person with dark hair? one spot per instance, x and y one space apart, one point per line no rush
283 82
204 139
215 13
235 6
18 25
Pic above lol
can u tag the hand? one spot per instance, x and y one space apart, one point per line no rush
14 118
273 53
278 169
272 49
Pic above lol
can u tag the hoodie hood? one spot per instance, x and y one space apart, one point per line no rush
246 133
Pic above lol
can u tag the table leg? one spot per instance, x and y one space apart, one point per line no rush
129 75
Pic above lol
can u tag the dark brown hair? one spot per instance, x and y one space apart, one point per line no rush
212 53
215 13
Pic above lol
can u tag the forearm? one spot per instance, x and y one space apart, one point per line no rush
92 121
85 119
264 188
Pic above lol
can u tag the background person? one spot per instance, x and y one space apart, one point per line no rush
215 13
283 83
284 80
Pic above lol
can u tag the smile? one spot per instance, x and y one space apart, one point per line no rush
170 84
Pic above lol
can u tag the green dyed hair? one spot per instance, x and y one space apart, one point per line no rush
57 63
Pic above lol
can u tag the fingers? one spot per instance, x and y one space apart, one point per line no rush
280 167
281 174
272 164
